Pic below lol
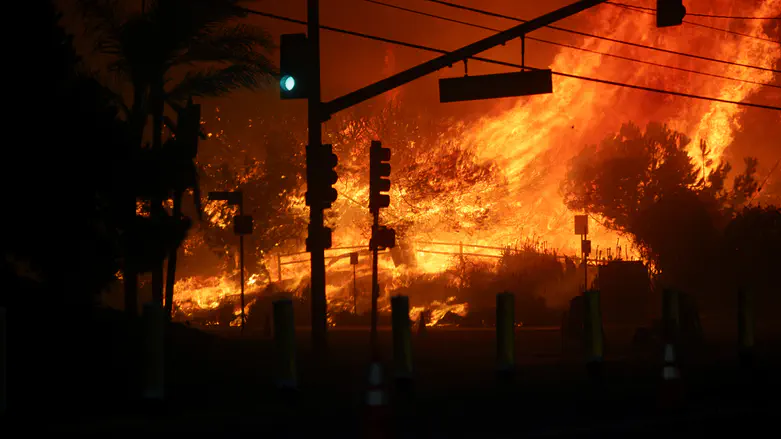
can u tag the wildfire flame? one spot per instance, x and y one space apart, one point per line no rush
503 185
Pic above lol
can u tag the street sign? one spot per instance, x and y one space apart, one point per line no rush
242 225
581 224
585 246
354 258
500 85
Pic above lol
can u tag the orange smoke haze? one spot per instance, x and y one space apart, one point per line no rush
527 142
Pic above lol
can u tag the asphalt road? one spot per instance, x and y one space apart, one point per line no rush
224 385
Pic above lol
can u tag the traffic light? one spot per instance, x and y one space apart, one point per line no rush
321 176
384 238
669 13
293 53
379 169
323 237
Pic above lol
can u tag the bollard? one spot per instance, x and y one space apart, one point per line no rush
154 352
505 336
422 321
402 340
3 361
594 334
745 327
671 316
284 345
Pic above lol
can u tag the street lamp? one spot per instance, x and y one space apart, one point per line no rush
242 225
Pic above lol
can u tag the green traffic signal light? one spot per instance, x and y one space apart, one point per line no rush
288 83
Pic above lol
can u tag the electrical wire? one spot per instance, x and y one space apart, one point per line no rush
569 46
507 17
731 17
635 9
508 64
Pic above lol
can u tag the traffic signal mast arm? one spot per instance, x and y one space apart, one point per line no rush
447 60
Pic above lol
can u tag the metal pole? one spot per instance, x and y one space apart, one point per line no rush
375 286
279 267
241 269
317 258
585 265
355 294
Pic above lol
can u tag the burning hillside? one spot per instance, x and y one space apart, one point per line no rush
468 189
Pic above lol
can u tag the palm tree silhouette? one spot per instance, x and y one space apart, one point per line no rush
168 52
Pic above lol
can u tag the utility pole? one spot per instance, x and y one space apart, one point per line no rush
317 251
382 237
375 287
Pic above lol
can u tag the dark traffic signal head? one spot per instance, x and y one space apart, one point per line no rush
321 175
379 170
669 12
384 238
293 54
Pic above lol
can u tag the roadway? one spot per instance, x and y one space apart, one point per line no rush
223 385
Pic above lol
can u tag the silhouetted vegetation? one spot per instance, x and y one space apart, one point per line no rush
192 41
645 184
63 236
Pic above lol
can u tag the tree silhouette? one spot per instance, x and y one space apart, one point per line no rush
645 184
167 40
65 230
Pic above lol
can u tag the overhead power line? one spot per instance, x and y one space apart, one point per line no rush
507 17
613 40
508 64
642 11
691 14
569 46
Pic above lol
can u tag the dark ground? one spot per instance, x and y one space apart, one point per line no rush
222 384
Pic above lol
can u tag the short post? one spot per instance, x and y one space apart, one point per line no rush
745 327
3 362
594 334
154 353
505 336
402 342
284 345
422 322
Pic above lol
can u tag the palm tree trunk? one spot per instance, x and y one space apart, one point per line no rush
170 277
157 210
130 275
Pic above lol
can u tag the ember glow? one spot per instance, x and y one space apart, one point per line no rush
494 182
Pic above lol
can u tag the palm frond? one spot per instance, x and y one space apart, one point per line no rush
180 21
241 44
217 82
103 21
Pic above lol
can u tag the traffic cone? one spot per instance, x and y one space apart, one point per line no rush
671 389
377 411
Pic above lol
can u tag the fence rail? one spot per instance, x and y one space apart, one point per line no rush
459 253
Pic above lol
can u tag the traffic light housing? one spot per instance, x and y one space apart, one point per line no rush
669 13
323 237
321 175
385 237
294 75
379 170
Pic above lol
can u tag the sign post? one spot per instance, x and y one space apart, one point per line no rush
581 228
242 225
354 262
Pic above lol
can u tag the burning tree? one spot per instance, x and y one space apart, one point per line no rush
645 184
